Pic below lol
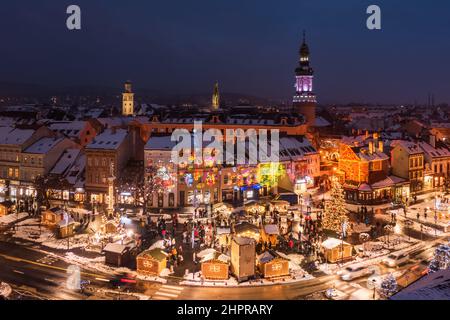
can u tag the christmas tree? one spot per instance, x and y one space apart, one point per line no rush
335 213
441 259
388 286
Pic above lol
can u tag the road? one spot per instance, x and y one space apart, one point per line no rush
35 274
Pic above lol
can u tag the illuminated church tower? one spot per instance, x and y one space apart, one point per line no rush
127 100
216 97
304 98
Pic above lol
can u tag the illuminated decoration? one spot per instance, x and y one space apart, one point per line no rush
188 179
164 178
335 212
210 179
270 173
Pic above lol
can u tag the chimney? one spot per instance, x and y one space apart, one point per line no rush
433 141
381 146
370 147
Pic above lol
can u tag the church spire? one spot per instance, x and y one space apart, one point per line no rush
216 97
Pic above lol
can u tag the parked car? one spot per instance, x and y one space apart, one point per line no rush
396 259
355 272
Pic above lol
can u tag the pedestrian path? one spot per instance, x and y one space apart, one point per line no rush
167 292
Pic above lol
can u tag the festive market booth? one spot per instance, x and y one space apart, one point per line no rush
247 230
215 266
6 207
336 250
116 254
110 227
280 205
53 217
151 262
243 258
270 233
223 235
65 228
271 265
254 207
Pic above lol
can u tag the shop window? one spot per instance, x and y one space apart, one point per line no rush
171 200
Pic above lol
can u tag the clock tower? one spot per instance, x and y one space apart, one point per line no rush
127 100
304 101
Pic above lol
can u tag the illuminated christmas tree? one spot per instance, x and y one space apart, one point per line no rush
388 286
441 259
335 213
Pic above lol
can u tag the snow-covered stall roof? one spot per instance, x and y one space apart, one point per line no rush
332 243
271 229
115 248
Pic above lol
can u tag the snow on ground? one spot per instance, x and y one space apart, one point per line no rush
94 264
11 218
31 231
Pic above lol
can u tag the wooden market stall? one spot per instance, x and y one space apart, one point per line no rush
247 230
243 258
117 254
151 262
270 233
65 228
52 217
280 205
215 267
6 207
272 265
336 250
223 235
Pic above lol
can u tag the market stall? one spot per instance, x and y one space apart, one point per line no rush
215 266
6 207
52 217
270 233
116 254
151 262
247 230
280 205
223 235
271 265
65 228
336 250
243 258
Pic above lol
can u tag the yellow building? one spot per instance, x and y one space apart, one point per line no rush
407 161
128 100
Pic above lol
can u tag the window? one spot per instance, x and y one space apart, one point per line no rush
16 173
10 172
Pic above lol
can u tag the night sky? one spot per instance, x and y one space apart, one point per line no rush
250 46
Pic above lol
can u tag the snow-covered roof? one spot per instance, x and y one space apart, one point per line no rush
434 152
321 122
265 257
115 248
434 286
160 143
223 230
43 145
271 229
332 243
110 139
388 182
410 147
68 128
65 161
12 136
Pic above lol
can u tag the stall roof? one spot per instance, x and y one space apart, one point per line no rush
115 248
265 257
271 229
245 226
242 241
332 243
157 254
